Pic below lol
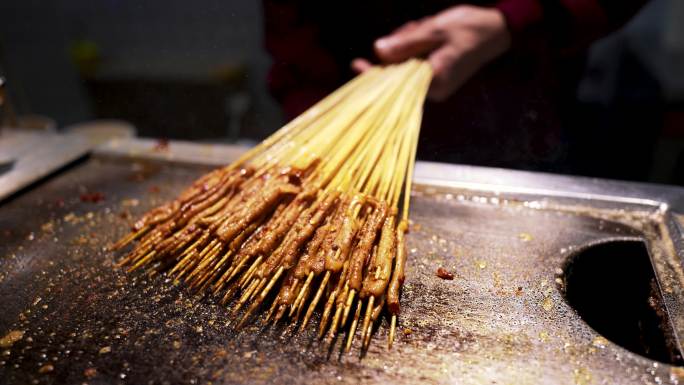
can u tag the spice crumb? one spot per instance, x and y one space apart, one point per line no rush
90 372
525 237
10 338
92 197
161 145
445 274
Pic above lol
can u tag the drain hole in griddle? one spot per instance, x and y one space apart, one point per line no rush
613 288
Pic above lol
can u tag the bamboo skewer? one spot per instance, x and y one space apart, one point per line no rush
313 215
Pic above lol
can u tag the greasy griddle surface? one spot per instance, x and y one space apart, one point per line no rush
501 320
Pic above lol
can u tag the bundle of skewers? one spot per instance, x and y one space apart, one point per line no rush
310 221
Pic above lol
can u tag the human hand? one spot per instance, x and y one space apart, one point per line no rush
457 43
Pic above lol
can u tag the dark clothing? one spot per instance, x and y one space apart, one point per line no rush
508 115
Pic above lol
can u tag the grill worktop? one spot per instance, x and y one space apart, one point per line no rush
507 236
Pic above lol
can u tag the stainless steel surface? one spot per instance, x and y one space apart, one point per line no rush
35 156
506 235
178 151
6 164
6 113
102 130
439 174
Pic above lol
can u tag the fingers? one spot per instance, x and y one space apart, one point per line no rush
413 39
442 62
457 42
475 37
360 65
450 69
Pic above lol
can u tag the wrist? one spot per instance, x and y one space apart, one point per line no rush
500 36
523 19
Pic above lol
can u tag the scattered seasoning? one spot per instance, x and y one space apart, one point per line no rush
445 274
161 144
677 372
544 336
81 240
130 202
497 279
408 332
176 345
599 342
154 189
48 227
137 177
46 369
90 372
519 291
93 197
582 376
525 237
71 218
10 338
105 350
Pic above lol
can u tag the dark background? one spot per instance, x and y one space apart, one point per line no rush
197 70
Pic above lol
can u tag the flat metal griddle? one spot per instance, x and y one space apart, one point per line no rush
502 320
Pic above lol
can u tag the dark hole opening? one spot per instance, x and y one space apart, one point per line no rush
613 288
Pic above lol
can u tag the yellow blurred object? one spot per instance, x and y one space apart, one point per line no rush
86 56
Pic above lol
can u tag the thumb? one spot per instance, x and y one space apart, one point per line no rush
360 65
411 40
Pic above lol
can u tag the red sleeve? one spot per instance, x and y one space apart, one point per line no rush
302 72
570 24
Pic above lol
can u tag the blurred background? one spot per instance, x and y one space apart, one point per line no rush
198 71
174 69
